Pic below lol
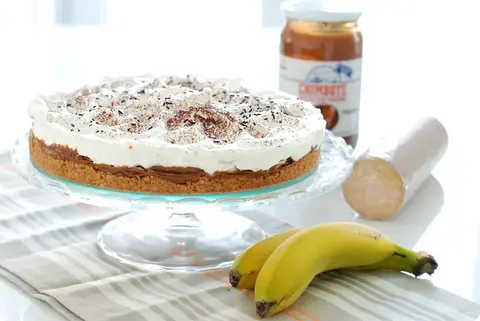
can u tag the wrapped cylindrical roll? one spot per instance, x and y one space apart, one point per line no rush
391 171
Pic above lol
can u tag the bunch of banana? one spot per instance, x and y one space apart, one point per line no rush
280 267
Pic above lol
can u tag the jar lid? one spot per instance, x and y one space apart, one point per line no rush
314 10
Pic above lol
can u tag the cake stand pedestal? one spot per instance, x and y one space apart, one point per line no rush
200 239
190 232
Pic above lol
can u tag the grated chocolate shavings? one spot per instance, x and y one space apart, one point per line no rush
220 111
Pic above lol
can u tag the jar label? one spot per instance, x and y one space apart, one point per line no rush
332 86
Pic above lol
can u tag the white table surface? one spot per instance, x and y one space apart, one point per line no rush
419 59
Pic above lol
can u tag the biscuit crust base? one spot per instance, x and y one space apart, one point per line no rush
88 175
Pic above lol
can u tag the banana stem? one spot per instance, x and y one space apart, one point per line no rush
426 264
416 263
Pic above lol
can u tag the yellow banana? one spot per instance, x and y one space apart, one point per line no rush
245 267
294 263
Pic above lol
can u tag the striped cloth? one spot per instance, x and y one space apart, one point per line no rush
47 247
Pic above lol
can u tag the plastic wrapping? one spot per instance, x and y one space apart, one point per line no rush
391 171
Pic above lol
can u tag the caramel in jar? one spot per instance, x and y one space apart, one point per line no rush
321 62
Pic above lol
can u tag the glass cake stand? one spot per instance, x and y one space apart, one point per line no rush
187 232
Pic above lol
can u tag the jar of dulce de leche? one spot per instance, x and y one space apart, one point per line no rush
321 62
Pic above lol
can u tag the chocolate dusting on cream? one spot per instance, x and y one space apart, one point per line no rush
215 125
178 110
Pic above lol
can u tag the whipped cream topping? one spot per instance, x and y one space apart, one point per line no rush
179 121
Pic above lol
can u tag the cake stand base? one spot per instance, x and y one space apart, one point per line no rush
199 240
